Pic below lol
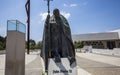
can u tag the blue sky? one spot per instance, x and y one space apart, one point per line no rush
84 16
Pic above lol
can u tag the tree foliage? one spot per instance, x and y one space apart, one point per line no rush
34 45
78 44
39 45
2 43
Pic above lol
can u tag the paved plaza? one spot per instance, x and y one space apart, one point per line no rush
93 64
33 64
87 64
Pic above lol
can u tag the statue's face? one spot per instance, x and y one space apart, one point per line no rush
56 13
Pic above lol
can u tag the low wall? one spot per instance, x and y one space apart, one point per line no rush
2 51
115 51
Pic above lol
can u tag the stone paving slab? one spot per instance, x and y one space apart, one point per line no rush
100 58
103 71
113 52
33 64
34 67
91 67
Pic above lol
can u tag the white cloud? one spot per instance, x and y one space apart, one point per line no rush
65 14
43 16
69 5
73 5
65 5
2 31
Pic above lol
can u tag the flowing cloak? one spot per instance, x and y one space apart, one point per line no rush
56 38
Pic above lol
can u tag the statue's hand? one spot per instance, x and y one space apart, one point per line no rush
47 19
48 16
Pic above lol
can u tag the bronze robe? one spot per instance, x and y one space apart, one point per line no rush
57 41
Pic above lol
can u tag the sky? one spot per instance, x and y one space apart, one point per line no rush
84 16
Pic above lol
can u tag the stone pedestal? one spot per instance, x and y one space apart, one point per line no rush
62 68
15 50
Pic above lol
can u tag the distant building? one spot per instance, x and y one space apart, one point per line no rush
107 40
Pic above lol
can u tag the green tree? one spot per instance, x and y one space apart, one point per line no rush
2 43
75 44
39 45
81 44
32 44
78 44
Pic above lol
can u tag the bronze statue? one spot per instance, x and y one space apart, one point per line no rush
57 42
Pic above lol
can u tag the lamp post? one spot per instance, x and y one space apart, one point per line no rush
49 52
27 6
48 4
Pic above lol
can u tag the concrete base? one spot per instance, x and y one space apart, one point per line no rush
62 68
15 53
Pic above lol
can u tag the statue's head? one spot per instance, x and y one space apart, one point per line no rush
56 12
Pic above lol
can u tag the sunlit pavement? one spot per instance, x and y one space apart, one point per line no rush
87 64
2 64
93 64
33 65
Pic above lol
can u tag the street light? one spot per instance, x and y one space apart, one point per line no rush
27 6
48 4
